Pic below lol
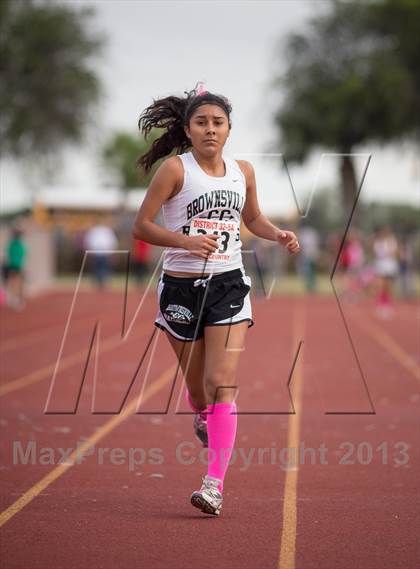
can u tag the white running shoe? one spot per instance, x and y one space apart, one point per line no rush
200 428
208 499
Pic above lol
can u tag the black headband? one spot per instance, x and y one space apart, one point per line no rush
207 99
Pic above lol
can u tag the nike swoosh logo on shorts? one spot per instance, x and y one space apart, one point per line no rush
235 305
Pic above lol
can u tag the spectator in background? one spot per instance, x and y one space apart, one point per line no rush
141 256
102 240
350 263
385 265
262 263
309 255
406 261
14 267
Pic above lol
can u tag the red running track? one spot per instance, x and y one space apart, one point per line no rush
347 497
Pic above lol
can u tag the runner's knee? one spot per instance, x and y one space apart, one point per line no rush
220 386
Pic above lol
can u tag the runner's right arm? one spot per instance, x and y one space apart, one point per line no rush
165 184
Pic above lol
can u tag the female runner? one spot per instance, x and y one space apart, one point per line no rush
204 301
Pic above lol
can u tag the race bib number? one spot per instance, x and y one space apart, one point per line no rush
228 231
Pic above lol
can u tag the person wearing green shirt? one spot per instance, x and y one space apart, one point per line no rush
16 253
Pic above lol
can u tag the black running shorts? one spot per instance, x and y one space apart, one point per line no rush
188 304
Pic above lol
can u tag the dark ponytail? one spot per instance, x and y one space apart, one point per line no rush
172 114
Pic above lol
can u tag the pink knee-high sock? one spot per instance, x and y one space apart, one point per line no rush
221 427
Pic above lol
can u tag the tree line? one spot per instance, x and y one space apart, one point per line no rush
352 77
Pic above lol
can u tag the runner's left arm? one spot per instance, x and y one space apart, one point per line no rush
255 221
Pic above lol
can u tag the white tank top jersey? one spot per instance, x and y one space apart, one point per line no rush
206 204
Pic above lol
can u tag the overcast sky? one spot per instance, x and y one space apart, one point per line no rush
159 48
